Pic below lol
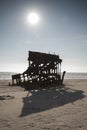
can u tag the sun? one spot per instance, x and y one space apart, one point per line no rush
33 18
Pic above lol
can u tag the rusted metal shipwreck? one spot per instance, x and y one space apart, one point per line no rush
44 70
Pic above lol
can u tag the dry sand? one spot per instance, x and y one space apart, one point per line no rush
50 109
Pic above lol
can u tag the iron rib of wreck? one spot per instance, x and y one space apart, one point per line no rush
44 70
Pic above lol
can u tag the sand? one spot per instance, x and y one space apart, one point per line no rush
47 109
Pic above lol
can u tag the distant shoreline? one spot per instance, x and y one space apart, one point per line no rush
68 75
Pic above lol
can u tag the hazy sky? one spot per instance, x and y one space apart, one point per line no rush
62 29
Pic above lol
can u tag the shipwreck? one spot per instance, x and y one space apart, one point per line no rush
44 70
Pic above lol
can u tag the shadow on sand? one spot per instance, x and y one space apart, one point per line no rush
41 100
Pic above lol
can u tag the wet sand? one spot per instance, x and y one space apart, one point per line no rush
47 109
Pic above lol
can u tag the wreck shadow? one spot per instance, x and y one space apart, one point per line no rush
41 100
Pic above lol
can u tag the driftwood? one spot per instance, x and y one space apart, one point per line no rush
44 70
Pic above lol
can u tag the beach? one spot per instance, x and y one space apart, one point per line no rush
44 109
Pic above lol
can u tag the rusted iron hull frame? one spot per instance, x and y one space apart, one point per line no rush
44 71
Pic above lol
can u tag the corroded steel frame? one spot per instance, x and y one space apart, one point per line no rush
44 70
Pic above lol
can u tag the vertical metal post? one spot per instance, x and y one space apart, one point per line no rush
60 69
12 81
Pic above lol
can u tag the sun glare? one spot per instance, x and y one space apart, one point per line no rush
33 18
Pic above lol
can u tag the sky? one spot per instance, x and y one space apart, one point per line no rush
62 30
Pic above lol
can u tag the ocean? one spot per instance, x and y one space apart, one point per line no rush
76 76
7 75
